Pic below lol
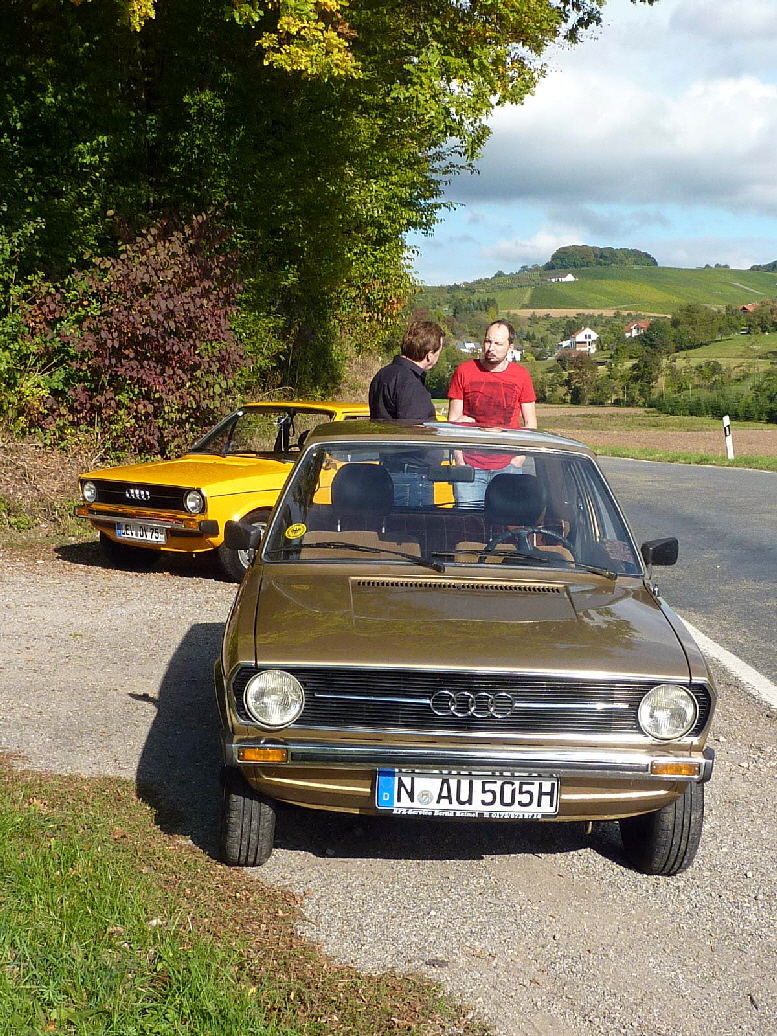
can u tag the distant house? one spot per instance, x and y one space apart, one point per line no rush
469 347
513 355
636 328
749 308
583 342
562 278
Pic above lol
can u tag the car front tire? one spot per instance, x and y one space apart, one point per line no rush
665 842
127 556
235 563
247 822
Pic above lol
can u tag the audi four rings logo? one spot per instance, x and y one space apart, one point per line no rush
465 703
134 493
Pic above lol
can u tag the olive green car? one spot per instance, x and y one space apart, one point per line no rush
458 623
235 471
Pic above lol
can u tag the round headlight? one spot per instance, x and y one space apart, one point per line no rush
274 698
89 492
194 501
667 711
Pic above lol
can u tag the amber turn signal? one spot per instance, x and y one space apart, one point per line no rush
668 768
273 754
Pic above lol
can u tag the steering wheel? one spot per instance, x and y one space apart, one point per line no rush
520 537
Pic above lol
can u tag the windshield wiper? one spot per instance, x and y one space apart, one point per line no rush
597 571
436 566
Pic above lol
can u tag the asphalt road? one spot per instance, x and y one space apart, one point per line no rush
725 581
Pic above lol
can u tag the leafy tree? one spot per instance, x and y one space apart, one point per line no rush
574 256
147 338
581 378
324 130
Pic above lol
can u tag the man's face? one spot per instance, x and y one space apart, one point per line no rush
496 345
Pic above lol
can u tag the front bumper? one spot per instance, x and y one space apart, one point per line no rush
176 528
607 764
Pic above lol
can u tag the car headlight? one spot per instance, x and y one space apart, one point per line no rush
274 698
194 501
667 711
89 492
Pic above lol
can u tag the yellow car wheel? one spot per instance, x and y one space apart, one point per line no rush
235 563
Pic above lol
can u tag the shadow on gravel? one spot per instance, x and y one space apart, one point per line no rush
341 836
191 566
178 771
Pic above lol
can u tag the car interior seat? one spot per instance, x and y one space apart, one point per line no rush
362 500
513 509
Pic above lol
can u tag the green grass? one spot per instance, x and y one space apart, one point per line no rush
646 289
753 352
110 928
678 457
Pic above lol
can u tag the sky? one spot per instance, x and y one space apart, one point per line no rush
657 133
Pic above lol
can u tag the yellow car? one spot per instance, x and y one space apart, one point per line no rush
235 472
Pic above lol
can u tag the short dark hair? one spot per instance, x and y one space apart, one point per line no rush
421 338
508 325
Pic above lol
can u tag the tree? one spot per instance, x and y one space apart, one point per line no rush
324 131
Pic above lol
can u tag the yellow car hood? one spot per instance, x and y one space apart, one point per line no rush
217 476
581 624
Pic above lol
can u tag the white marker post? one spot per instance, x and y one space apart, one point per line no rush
727 436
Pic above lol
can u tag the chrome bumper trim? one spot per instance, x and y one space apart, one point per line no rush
567 762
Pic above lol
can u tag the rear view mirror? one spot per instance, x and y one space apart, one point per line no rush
660 552
242 535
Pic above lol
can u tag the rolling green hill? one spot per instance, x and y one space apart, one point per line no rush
645 289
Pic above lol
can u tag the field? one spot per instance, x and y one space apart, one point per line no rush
643 434
643 289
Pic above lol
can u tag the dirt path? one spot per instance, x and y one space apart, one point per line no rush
539 926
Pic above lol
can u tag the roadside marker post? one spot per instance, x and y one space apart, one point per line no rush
727 436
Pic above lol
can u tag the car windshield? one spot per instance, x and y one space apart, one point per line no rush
450 506
262 429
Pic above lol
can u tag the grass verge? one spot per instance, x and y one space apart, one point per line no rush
108 927
677 457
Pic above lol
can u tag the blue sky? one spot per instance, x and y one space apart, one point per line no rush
659 133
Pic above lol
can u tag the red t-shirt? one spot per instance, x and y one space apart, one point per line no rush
493 399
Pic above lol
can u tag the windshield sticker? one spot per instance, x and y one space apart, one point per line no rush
295 531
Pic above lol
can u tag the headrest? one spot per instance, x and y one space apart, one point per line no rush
514 500
359 488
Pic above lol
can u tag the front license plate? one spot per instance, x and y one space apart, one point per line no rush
496 796
140 533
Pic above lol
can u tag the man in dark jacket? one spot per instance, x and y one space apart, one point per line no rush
398 391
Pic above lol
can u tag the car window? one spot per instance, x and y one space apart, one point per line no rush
255 430
452 505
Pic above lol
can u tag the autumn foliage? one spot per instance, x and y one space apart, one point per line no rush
143 341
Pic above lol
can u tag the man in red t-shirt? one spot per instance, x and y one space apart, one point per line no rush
495 392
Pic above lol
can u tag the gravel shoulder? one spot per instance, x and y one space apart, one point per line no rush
540 927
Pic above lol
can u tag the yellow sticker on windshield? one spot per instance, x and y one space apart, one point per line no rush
295 531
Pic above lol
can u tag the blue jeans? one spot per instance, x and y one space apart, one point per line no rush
411 490
472 494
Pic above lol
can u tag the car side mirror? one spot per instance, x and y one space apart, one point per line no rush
660 552
242 535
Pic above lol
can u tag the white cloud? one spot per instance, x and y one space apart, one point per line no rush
727 23
714 143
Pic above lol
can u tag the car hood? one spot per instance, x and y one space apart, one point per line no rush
215 475
581 625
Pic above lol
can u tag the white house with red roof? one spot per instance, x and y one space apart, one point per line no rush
636 328
584 341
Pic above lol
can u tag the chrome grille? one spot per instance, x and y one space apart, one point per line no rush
141 494
402 699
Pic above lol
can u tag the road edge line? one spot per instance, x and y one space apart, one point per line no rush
754 682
